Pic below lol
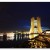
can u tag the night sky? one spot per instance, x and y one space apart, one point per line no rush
17 15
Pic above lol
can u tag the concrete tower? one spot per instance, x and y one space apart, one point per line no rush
35 26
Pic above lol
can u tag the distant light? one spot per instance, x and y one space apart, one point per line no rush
47 31
1 34
10 36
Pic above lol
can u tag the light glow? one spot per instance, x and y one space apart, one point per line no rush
10 36
47 31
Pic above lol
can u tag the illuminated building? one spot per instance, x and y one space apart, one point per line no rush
35 27
35 30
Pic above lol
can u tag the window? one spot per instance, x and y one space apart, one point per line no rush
35 22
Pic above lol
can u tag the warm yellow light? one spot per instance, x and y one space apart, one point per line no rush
35 27
30 36
35 35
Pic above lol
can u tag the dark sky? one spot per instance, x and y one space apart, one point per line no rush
17 15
